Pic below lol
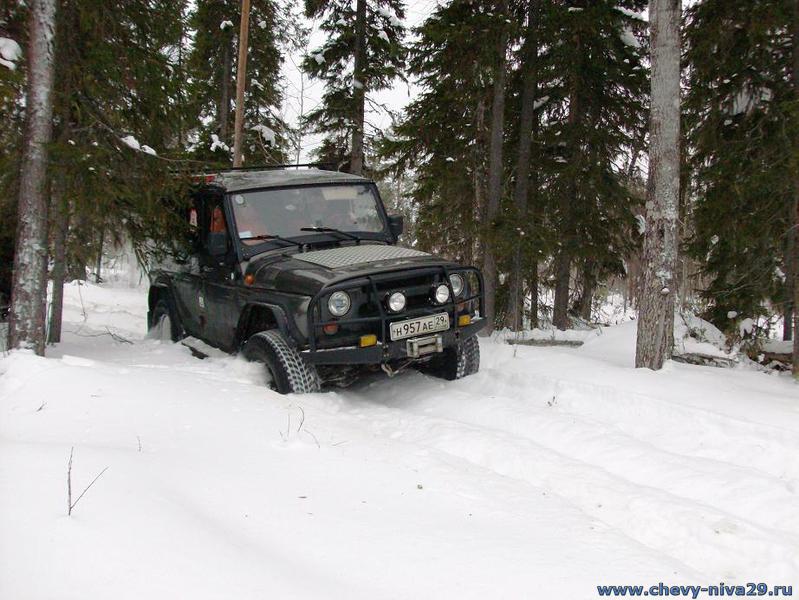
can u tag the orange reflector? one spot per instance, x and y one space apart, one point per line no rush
464 320
330 329
249 279
368 340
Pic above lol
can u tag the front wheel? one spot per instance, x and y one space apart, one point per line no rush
457 362
288 372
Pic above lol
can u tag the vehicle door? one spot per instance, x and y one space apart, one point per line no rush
187 277
220 273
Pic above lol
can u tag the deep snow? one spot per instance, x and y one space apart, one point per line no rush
549 472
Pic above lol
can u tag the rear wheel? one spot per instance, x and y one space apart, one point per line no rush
457 362
288 372
164 325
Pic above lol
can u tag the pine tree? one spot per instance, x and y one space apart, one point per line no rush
596 89
364 53
496 166
527 127
118 118
443 134
13 22
212 68
741 121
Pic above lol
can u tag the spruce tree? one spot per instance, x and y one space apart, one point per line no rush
741 120
212 69
443 134
597 90
13 21
364 53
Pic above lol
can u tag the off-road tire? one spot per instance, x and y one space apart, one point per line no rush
162 310
457 362
289 372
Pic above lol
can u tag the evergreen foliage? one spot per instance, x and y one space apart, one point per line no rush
334 63
212 72
741 119
591 109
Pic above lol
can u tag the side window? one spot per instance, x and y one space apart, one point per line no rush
217 220
216 238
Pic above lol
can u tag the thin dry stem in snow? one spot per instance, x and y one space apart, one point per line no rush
70 504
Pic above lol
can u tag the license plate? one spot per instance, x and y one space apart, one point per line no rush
412 327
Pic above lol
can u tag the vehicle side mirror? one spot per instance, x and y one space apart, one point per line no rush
396 225
216 244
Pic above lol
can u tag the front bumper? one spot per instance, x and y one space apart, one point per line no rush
388 352
378 324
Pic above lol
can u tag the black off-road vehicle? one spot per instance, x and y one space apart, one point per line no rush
300 269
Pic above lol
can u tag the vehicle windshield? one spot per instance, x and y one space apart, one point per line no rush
285 212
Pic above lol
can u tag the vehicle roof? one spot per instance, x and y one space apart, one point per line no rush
234 181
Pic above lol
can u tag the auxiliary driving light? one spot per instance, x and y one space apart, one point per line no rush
456 281
441 294
339 304
464 320
396 302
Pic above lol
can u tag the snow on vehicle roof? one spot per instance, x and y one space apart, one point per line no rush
234 181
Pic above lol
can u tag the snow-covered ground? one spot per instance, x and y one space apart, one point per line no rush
551 471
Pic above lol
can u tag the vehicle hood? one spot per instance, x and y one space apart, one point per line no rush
307 272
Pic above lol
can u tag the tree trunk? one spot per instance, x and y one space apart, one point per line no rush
560 310
29 286
359 89
566 203
495 174
99 262
585 303
656 319
790 275
533 287
224 100
478 177
796 201
520 192
59 221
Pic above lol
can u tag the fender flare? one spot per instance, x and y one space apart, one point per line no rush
278 314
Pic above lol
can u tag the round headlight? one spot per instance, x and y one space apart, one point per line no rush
339 304
442 293
396 302
456 281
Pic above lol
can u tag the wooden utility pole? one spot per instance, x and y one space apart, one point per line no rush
241 82
29 287
656 309
358 89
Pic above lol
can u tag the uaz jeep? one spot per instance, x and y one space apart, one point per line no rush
300 269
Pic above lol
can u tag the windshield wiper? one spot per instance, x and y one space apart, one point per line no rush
266 237
347 235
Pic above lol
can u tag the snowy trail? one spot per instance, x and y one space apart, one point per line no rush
622 493
546 474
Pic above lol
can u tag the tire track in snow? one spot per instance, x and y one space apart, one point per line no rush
675 427
744 493
719 542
